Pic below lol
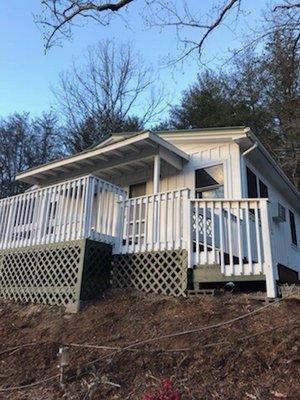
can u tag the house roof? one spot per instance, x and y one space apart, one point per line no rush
115 151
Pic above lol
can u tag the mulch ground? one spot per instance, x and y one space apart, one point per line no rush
253 358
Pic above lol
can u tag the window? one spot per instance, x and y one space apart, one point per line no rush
293 228
254 190
210 182
137 190
263 190
251 184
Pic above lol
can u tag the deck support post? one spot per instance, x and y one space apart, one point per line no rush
156 174
269 265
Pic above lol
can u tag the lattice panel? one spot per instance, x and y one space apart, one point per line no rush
96 271
198 223
160 272
42 274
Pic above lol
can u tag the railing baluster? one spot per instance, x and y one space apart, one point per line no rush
239 238
110 210
158 225
140 224
213 239
71 209
222 254
205 232
127 230
51 214
195 211
248 237
153 222
25 220
77 190
230 239
172 220
133 224
257 231
30 218
165 243
100 206
146 223
4 217
178 232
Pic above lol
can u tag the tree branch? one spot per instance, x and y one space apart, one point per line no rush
60 17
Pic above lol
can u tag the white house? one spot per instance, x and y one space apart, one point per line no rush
212 201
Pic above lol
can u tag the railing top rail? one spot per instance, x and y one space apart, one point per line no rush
215 200
159 193
112 185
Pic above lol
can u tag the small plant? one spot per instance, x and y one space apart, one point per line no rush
166 392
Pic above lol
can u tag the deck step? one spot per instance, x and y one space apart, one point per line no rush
212 273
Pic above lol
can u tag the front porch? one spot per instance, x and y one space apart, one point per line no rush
233 235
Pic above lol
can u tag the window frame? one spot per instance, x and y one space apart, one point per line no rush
212 164
256 188
259 181
293 228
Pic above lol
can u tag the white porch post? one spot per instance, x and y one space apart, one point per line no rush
269 264
156 204
156 174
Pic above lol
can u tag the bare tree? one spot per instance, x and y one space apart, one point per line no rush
192 25
105 94
24 143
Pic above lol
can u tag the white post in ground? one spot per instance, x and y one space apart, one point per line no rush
269 265
156 174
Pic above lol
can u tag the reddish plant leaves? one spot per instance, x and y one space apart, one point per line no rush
166 392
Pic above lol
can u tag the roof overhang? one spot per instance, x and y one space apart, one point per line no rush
118 155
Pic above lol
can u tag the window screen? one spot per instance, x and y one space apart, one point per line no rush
251 184
293 228
210 182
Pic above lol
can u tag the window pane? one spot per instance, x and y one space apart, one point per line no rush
209 176
217 193
137 190
263 190
293 228
251 184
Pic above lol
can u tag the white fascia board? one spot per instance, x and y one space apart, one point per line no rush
203 136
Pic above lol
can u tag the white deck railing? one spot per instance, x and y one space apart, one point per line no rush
77 209
233 233
155 222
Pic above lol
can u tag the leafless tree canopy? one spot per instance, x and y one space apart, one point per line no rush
107 90
193 26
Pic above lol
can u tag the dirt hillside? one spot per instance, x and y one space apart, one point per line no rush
256 357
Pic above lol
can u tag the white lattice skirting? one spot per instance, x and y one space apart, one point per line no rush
58 274
158 271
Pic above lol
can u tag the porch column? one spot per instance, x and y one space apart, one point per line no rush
156 174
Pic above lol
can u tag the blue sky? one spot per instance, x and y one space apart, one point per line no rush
26 73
